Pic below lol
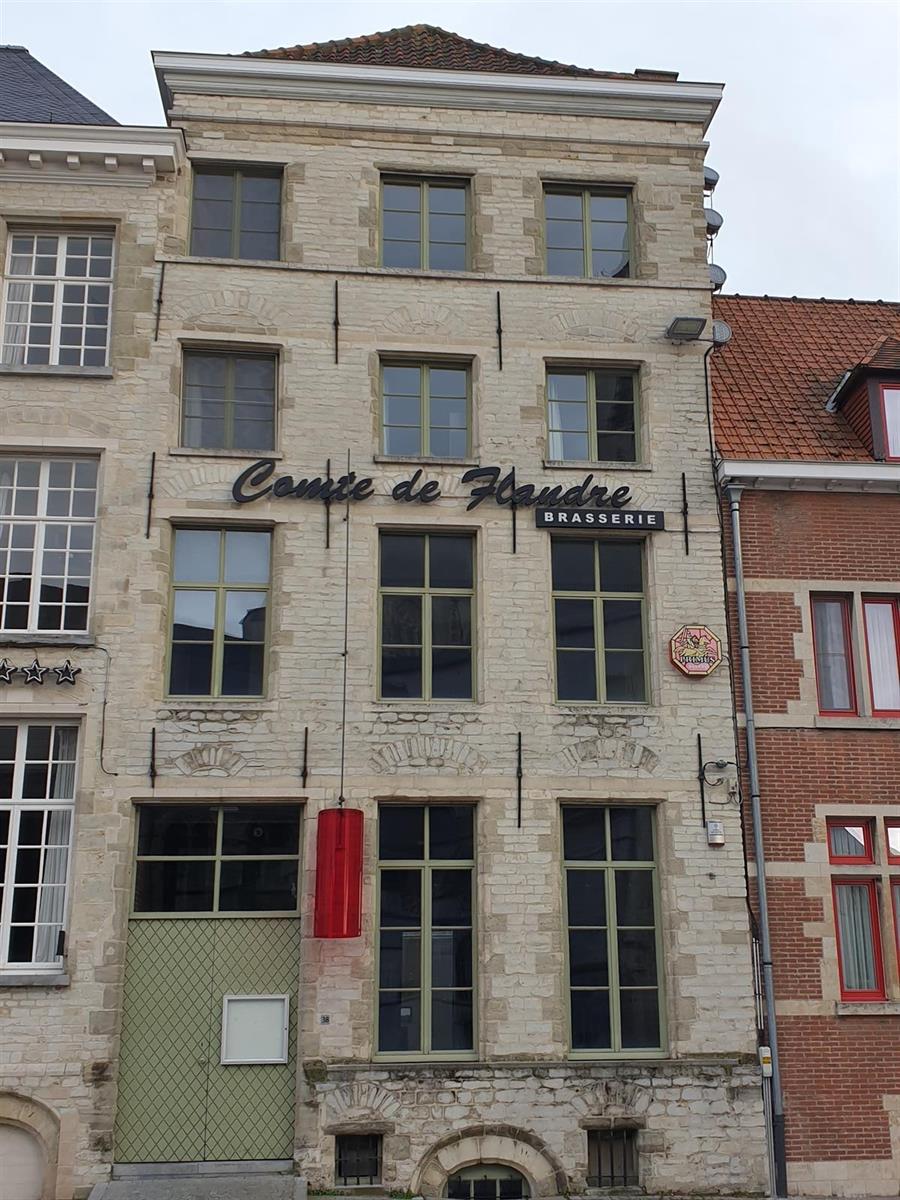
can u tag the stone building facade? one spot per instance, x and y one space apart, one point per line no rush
819 518
235 679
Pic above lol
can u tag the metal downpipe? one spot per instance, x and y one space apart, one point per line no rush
759 854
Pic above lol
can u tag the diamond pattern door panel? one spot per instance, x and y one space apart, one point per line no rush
163 1062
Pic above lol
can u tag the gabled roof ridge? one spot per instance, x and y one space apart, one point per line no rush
515 62
809 299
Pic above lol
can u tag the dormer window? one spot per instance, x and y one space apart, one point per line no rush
890 414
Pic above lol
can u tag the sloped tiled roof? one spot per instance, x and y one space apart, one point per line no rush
772 381
432 48
29 91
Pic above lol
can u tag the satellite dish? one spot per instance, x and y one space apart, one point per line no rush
717 277
714 221
721 333
710 179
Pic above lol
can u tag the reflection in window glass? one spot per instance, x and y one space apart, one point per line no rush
834 669
228 401
425 410
851 840
587 232
424 224
591 415
236 213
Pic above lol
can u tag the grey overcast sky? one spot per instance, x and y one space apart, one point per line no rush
807 139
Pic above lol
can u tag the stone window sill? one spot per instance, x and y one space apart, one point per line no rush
415 460
867 1008
200 452
36 979
59 640
850 722
555 464
76 372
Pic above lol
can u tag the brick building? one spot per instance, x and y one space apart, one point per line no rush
404 259
807 427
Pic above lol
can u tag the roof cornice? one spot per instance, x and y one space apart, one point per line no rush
29 150
288 79
810 476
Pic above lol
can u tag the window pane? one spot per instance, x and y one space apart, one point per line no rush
451 897
401 832
631 830
569 447
450 831
576 675
625 681
634 896
177 829
196 555
451 674
401 898
446 199
451 958
586 895
264 246
448 443
609 263
584 833
573 565
565 262
621 568
399 1021
622 626
640 1019
400 958
261 829
588 958
884 655
401 674
402 560
444 256
856 937
403 440
450 561
570 417
242 670
401 254
849 841
258 886
565 236
402 196
566 205
637 958
194 616
451 1021
176 886
446 228
590 1020
402 227
616 447
401 620
832 655
246 556
893 837
891 398
191 669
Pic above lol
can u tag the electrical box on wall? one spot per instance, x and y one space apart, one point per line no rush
715 833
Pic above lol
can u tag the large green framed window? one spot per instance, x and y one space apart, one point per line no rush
598 619
426 983
201 858
220 595
425 409
588 232
424 223
592 414
236 212
228 401
612 915
426 627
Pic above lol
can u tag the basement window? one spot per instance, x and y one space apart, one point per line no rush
357 1159
612 1158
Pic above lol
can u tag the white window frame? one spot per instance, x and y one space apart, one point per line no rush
59 279
41 520
286 1009
16 806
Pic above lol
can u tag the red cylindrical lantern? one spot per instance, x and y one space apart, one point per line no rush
339 846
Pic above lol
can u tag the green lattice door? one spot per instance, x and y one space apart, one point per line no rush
176 1102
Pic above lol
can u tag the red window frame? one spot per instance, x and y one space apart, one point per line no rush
887 387
844 602
890 824
895 905
894 603
875 928
852 859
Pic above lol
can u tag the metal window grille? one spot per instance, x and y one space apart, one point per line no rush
612 1158
358 1159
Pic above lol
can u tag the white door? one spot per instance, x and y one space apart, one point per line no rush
22 1176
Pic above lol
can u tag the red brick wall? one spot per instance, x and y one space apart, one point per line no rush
836 1070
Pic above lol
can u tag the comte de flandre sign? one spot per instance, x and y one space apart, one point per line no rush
499 484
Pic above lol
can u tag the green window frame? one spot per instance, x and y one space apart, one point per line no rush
426 1003
588 231
614 946
426 409
425 223
426 616
219 596
228 400
599 619
592 414
217 860
236 212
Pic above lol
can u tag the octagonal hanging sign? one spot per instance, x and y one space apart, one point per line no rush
695 650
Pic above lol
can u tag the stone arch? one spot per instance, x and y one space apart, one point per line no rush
36 1119
525 1152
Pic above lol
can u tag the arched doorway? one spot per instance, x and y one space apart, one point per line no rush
23 1164
487 1181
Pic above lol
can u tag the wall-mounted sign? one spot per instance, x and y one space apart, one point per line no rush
576 518
695 650
256 483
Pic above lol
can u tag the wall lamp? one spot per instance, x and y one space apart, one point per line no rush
685 329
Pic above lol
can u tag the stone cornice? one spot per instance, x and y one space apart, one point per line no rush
88 153
639 99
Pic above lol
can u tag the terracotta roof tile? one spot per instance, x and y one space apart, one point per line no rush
772 381
427 46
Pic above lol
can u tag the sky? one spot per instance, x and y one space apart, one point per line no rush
806 141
